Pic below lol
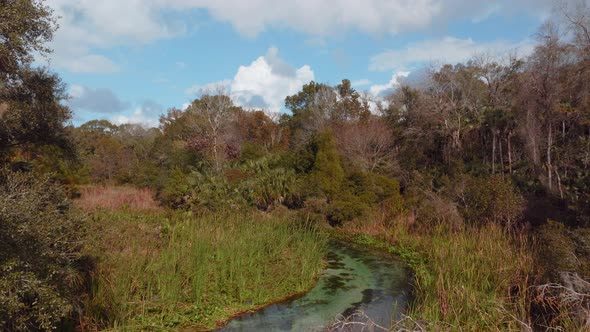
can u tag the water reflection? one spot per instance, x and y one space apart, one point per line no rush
353 280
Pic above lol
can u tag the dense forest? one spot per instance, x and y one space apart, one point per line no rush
477 175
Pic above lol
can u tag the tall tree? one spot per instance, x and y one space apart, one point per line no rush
25 28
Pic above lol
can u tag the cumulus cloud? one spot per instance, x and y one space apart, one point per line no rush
146 114
448 50
380 90
99 100
371 16
263 84
89 26
267 81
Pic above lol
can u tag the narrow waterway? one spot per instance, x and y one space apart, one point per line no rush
354 281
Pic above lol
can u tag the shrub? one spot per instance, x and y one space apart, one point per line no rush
175 190
40 243
327 173
345 209
491 200
434 209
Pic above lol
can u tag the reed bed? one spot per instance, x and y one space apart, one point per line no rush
166 271
469 279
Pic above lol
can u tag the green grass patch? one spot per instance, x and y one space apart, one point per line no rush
473 279
169 270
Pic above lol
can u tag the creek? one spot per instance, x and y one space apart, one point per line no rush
355 281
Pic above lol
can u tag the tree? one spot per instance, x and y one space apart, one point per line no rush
25 27
209 118
350 105
33 112
311 109
327 173
368 145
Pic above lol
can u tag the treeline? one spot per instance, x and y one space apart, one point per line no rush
522 123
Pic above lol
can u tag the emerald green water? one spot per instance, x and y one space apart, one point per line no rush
354 280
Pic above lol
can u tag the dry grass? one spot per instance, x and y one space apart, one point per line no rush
116 198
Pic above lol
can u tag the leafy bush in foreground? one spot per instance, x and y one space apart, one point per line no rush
40 242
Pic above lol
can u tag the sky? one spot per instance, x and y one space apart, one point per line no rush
128 61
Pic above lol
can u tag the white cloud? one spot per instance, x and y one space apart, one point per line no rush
379 90
267 81
447 50
137 117
91 63
197 89
89 26
361 82
322 18
146 114
263 84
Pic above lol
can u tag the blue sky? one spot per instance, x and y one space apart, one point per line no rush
130 60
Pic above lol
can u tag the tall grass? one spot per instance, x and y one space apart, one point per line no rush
168 271
116 198
472 279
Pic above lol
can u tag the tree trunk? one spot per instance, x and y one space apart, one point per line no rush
549 166
558 183
493 152
216 152
501 159
509 152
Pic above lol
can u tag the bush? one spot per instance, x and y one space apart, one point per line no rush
176 189
40 243
491 200
327 173
345 209
434 209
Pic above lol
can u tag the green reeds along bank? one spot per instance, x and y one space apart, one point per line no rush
472 279
171 270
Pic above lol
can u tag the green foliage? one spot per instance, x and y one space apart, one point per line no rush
172 271
461 277
26 26
267 186
491 200
251 151
345 208
327 173
40 243
176 189
262 184
34 115
360 192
